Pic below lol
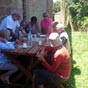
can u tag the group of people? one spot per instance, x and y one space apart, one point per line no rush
60 67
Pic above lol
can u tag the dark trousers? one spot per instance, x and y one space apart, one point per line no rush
43 76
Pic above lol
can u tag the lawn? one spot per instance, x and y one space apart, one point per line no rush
79 75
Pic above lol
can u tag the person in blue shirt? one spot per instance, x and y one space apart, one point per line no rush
5 63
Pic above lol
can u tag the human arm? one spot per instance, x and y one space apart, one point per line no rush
42 27
7 45
43 51
14 35
64 40
50 26
64 37
37 27
12 26
57 60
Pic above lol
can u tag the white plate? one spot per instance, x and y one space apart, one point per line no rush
42 35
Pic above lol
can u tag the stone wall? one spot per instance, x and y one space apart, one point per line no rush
37 7
32 7
6 6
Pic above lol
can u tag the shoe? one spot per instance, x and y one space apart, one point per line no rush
5 80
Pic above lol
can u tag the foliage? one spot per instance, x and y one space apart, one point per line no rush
56 6
79 11
84 24
79 75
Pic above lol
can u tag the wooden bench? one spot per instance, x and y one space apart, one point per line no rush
2 71
53 85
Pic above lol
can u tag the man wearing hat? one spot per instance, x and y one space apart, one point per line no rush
60 69
46 24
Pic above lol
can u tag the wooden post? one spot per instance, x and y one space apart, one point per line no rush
24 9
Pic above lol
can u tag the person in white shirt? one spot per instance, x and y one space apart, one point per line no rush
5 63
11 23
64 36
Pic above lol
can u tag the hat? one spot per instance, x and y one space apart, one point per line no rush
53 36
60 26
56 40
45 14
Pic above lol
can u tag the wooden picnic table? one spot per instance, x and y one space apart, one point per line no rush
29 53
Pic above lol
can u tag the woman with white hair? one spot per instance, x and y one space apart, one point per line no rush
63 36
5 63
59 70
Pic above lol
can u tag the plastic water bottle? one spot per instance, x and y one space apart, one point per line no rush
29 39
19 35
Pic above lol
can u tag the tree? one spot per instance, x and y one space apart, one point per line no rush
79 12
75 13
56 6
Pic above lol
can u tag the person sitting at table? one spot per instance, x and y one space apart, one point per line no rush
46 24
64 36
33 25
60 69
11 23
5 63
22 33
24 25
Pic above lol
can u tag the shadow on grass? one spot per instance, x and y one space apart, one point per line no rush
71 83
75 71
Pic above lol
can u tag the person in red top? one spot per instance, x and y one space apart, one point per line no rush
59 70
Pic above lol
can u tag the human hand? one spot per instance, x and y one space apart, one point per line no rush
17 42
20 28
42 52
41 57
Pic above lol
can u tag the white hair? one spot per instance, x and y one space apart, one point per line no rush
55 37
15 11
4 33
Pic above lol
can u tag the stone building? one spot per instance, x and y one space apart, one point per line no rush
27 8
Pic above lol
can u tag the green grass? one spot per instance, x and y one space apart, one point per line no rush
79 75
79 58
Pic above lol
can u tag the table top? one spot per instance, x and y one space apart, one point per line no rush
25 51
29 52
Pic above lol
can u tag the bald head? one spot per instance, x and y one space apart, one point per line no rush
59 28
